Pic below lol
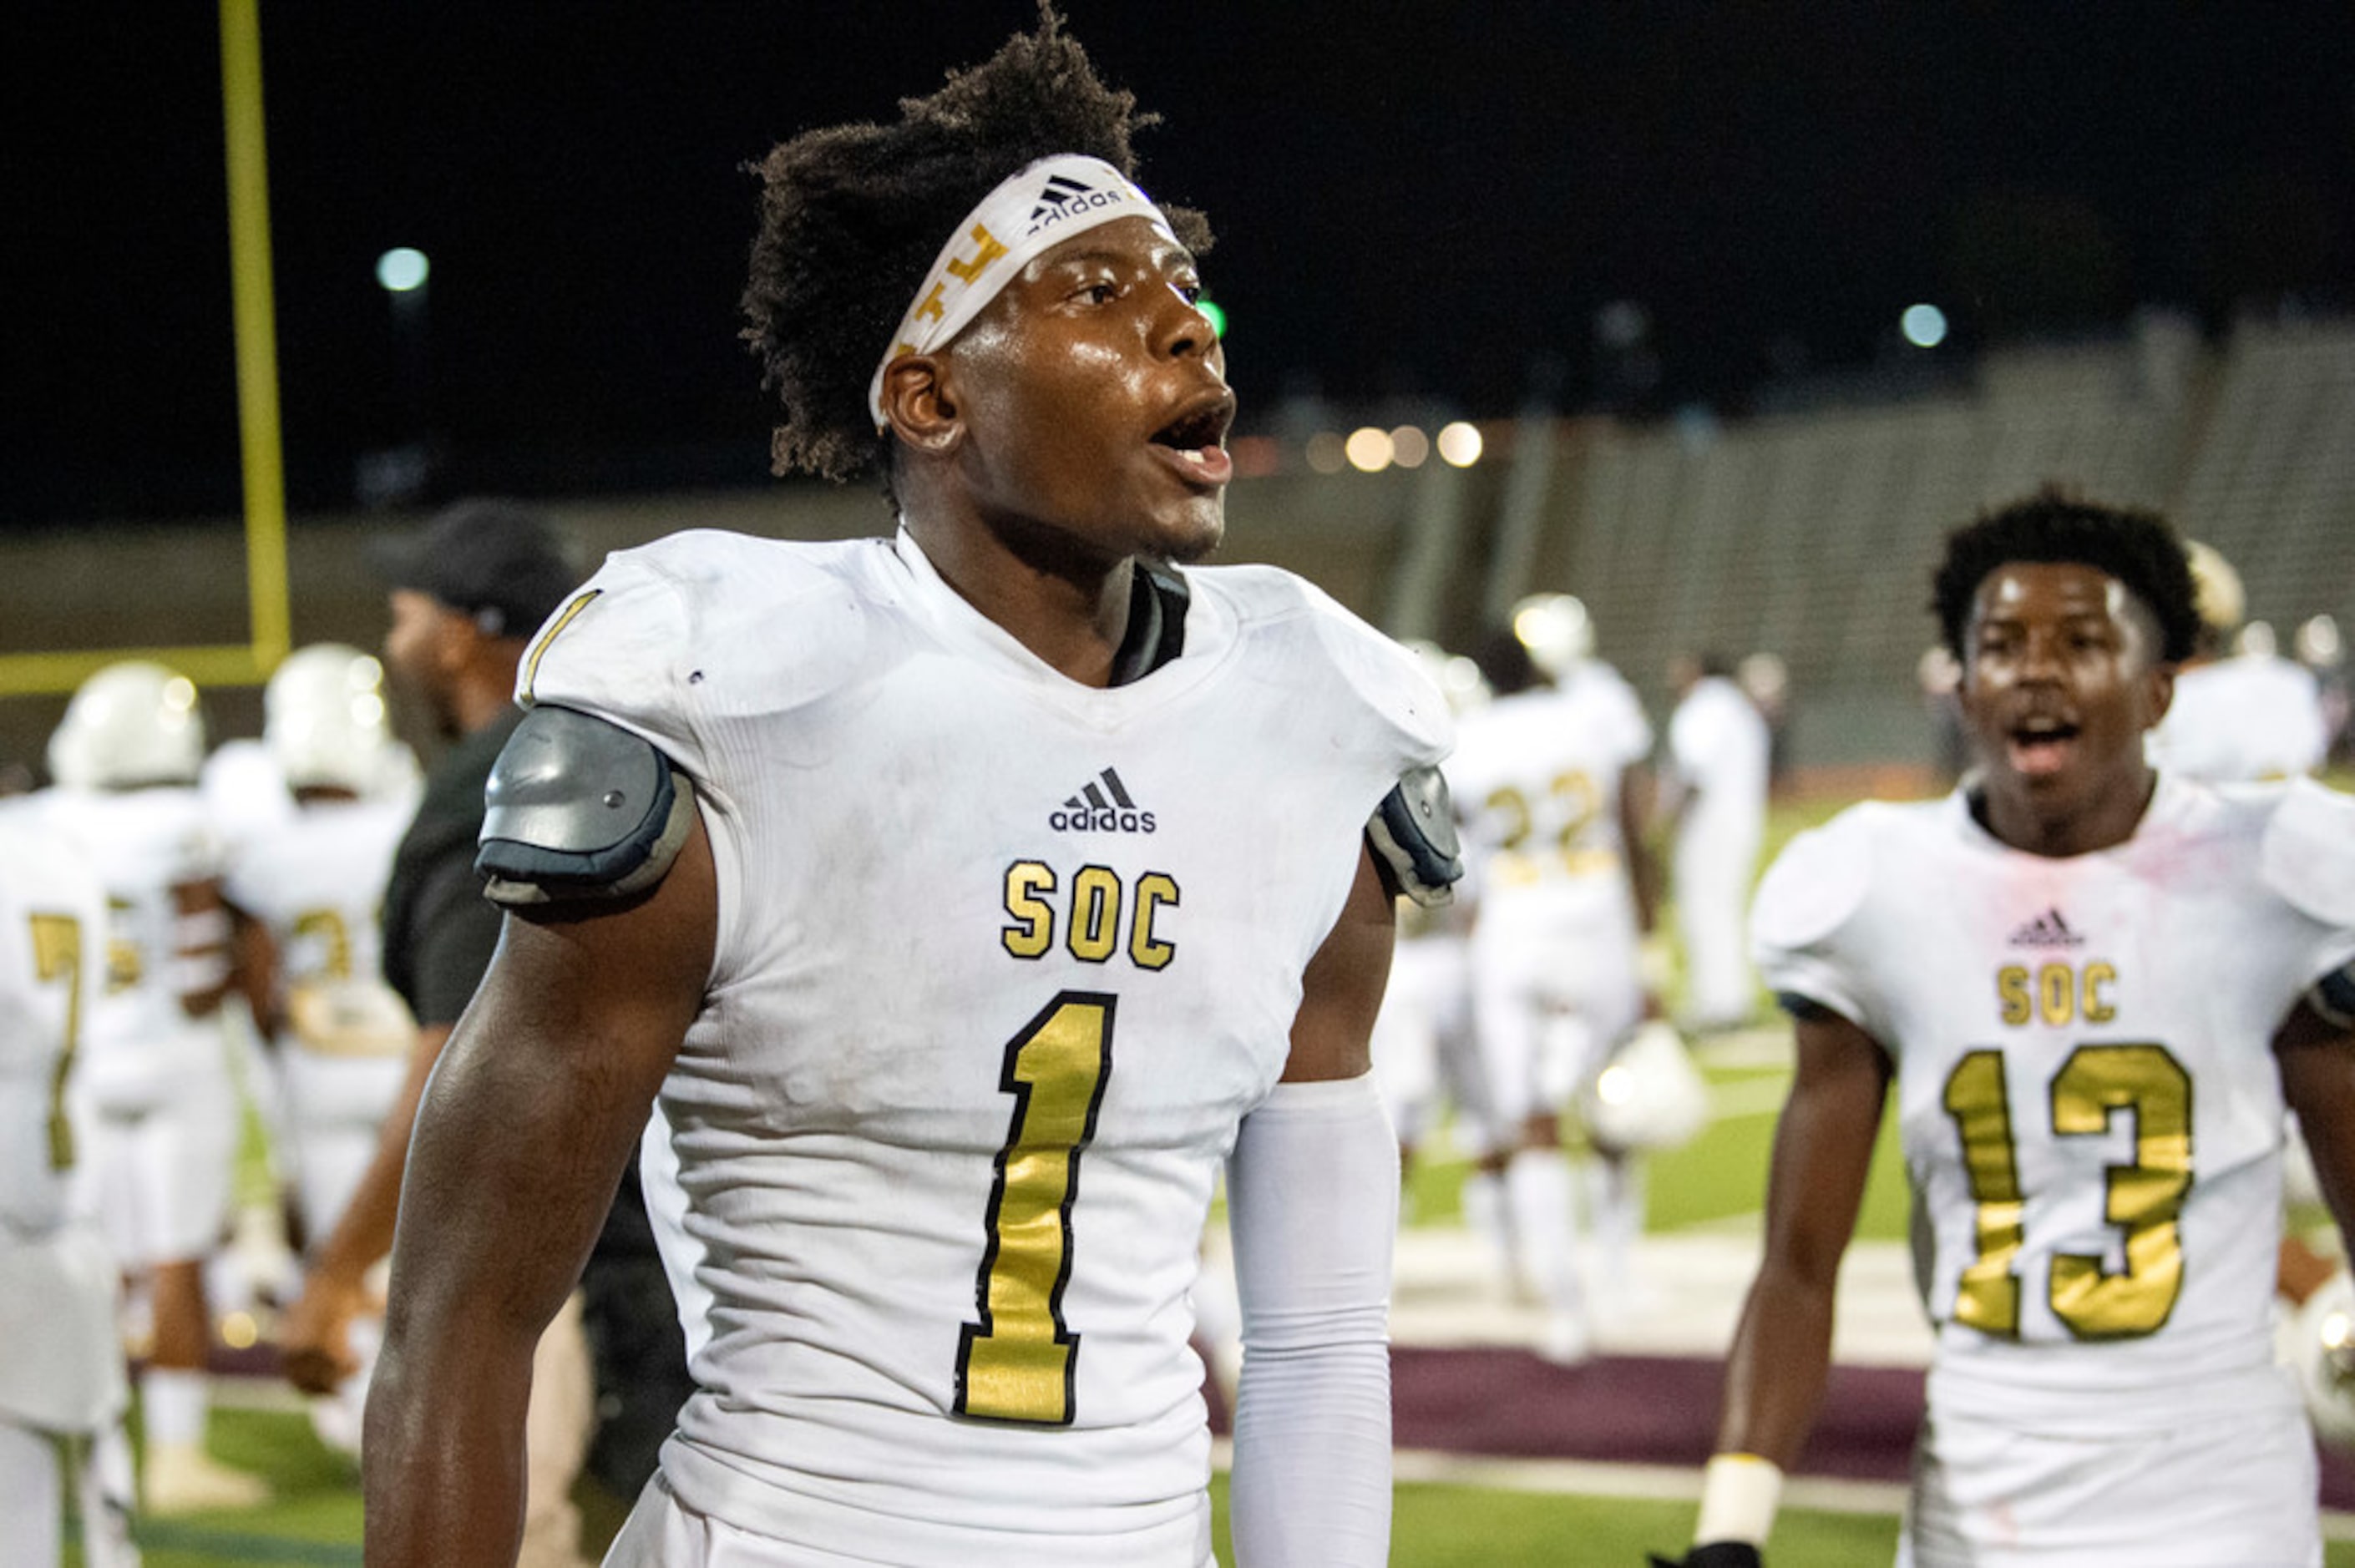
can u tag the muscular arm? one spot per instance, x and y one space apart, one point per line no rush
2318 1073
1342 988
1636 791
525 1127
1823 1150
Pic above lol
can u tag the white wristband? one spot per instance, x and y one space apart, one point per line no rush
1739 1495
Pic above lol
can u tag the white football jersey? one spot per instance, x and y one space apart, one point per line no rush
1002 962
2088 1103
139 1043
1718 746
2239 720
317 882
1536 777
61 1365
53 948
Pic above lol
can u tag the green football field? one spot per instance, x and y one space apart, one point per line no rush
1543 1517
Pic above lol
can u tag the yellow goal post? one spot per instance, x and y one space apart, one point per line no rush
269 616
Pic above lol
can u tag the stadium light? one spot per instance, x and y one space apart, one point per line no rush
1410 447
1459 444
1369 450
1328 453
1925 326
402 270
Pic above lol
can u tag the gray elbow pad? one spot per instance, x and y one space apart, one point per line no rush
579 809
1413 830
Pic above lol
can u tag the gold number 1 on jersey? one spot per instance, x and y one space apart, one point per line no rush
1019 1361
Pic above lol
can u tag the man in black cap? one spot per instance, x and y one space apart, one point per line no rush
467 592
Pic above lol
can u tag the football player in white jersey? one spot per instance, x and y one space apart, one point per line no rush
61 1388
1714 800
968 896
1551 779
155 1085
313 884
1425 1054
2253 715
2094 986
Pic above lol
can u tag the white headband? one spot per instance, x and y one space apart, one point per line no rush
1039 206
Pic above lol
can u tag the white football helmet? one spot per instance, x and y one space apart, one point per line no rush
1648 1095
1459 678
2216 589
1557 631
2318 1341
325 720
130 725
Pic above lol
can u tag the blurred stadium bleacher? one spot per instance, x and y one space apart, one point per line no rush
1808 533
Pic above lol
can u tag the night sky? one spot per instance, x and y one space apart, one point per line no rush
1416 201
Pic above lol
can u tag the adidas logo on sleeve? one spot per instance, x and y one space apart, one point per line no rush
1102 806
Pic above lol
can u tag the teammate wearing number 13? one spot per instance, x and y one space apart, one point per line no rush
967 897
2095 986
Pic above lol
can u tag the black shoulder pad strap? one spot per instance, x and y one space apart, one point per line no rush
1413 830
577 808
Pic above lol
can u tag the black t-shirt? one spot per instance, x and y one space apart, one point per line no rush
439 930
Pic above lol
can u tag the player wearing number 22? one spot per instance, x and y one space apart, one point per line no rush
2094 986
991 884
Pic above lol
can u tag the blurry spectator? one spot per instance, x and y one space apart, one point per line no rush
308 888
1766 680
2319 648
153 1084
467 594
1550 779
1940 675
1715 804
62 1398
2252 716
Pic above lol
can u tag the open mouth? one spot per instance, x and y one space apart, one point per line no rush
1198 440
2041 746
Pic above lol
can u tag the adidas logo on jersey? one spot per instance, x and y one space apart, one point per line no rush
1104 807
1062 196
2047 930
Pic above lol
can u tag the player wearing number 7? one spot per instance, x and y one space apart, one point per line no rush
967 896
2095 987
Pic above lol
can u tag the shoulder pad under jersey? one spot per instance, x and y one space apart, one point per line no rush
1413 830
577 808
1815 885
2308 854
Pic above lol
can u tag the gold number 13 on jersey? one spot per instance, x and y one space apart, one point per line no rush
1019 1361
2141 1200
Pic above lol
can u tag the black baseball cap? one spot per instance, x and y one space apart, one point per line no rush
506 565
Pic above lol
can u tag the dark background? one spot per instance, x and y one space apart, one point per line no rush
1422 206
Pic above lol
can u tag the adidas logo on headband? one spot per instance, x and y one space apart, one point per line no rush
1062 197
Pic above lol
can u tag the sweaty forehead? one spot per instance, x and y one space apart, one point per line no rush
1128 241
2028 589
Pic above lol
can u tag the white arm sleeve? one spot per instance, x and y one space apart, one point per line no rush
1312 1193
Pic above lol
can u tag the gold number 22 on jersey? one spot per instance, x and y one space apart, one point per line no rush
2142 1199
1019 1361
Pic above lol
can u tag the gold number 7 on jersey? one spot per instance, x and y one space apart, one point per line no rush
57 955
1019 1361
